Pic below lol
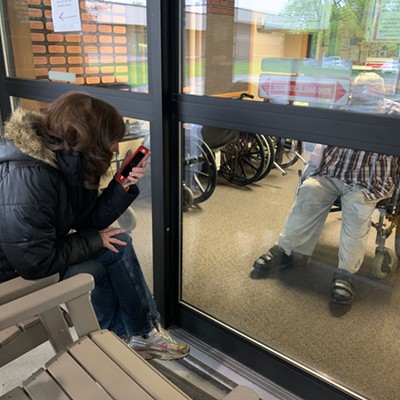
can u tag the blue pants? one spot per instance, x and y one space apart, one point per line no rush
121 298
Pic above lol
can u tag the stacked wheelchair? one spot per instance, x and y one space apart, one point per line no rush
241 158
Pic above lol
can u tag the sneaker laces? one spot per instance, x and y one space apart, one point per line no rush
157 330
163 333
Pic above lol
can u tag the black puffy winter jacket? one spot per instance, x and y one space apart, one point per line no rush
48 221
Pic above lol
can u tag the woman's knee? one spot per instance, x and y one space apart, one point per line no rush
124 237
123 250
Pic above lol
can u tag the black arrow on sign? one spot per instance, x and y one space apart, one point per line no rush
62 17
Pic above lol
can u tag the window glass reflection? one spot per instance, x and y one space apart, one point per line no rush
297 52
138 218
239 205
101 43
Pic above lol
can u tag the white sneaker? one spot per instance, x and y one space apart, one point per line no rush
158 344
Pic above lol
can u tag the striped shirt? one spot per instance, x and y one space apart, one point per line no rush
375 174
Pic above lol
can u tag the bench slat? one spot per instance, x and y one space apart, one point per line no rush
41 386
137 368
15 394
28 323
74 380
106 372
8 334
19 344
242 392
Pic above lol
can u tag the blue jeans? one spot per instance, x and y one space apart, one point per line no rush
121 298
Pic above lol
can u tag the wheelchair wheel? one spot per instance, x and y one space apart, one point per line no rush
287 151
187 197
269 153
243 160
385 262
200 170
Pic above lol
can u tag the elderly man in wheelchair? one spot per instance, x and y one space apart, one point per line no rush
361 180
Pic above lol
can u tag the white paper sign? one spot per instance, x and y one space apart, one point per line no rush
387 20
66 16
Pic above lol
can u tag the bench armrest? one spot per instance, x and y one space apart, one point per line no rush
74 292
19 287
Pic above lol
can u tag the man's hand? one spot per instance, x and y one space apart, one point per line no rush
107 236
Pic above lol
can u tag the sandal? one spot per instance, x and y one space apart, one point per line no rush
274 257
342 288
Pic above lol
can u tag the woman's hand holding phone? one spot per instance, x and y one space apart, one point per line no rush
133 167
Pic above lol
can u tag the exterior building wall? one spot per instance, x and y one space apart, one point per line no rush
97 55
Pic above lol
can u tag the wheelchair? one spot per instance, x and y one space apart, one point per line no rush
281 153
199 172
239 157
386 259
287 153
242 156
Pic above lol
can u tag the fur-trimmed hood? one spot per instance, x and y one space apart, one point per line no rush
40 205
20 137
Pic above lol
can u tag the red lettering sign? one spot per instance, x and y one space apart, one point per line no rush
304 89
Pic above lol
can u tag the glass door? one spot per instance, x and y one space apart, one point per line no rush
305 80
111 50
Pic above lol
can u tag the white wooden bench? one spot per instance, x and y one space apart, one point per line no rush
26 335
98 365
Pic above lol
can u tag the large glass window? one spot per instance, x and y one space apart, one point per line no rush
239 187
297 52
89 42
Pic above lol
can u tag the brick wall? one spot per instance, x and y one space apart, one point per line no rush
98 54
224 7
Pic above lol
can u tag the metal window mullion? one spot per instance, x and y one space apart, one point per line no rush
137 105
341 128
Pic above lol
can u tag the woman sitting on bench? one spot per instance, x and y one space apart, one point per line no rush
53 219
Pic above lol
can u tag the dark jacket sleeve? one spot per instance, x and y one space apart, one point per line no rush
109 206
35 219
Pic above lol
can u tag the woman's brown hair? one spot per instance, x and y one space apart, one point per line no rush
81 123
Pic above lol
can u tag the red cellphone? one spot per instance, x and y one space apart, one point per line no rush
142 153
